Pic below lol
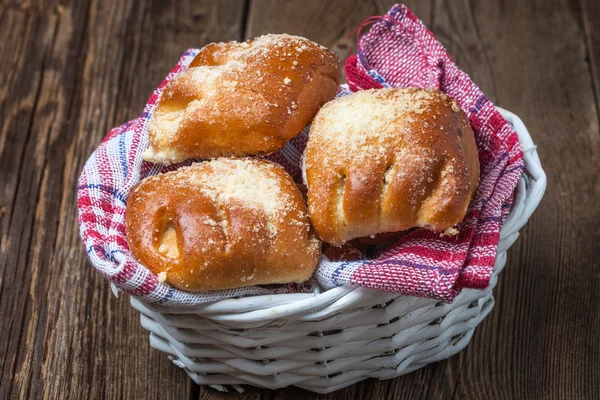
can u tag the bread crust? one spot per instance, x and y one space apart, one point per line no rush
222 224
389 160
238 99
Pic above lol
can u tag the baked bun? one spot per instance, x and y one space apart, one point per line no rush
238 99
222 224
388 160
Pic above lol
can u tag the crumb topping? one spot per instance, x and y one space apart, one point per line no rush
450 232
255 185
365 125
252 184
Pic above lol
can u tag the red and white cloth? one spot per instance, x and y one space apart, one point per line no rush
398 51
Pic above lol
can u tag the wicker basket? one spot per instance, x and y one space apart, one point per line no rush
326 341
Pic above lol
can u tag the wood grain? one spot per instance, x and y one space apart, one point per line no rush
541 333
71 72
589 17
73 69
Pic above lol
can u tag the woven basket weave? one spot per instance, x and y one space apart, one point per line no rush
326 341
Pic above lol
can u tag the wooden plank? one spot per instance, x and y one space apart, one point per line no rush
39 6
590 17
539 341
207 393
69 73
25 47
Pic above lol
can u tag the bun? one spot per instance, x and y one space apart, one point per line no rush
222 224
238 99
389 160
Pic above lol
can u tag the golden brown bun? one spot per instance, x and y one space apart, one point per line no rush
389 160
222 224
239 99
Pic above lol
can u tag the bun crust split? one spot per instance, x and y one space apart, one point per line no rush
222 224
389 160
239 99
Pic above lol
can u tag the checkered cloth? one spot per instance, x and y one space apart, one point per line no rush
399 51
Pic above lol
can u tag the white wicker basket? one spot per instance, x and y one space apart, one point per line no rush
325 341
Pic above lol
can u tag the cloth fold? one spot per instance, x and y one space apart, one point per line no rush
398 51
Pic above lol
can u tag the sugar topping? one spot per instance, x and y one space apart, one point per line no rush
283 39
455 107
253 184
366 124
248 183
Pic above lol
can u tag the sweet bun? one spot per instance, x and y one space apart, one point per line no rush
389 160
238 99
222 224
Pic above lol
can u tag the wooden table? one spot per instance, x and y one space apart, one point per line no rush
70 70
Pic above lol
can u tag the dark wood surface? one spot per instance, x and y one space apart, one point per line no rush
70 70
